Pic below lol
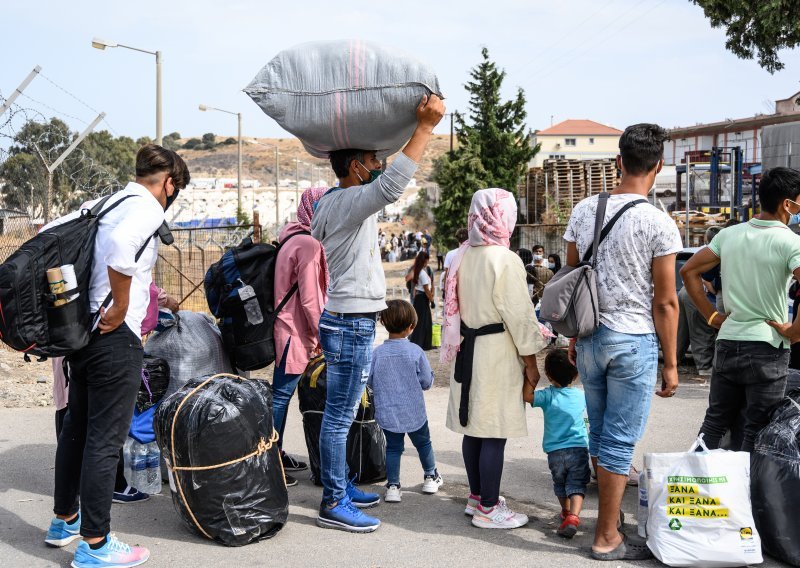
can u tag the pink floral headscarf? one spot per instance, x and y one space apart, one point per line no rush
492 217
305 211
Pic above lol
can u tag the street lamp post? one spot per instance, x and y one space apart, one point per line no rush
101 44
239 155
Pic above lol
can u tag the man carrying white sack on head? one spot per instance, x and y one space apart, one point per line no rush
345 221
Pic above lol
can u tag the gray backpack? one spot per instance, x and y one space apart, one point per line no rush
569 301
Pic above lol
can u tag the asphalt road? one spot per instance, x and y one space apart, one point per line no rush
421 531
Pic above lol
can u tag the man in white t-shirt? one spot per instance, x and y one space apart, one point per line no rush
618 364
461 236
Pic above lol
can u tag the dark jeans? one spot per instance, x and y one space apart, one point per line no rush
104 378
570 470
483 460
120 484
749 375
394 449
283 387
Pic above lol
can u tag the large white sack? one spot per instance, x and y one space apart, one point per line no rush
699 509
342 94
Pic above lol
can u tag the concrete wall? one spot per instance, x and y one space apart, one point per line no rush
749 140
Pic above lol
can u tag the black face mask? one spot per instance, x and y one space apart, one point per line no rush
171 198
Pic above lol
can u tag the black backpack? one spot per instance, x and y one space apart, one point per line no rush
240 291
29 322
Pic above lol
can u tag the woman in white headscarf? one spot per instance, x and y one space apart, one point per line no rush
489 306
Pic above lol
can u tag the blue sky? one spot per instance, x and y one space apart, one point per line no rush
614 61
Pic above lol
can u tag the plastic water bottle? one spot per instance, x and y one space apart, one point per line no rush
138 478
127 457
153 485
641 512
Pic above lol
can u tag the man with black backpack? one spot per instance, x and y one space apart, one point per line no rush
105 375
618 363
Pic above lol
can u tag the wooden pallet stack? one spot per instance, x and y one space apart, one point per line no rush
566 184
533 188
601 175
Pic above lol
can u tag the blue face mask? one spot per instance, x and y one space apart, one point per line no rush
794 219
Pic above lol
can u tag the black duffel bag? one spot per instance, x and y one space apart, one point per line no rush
155 380
775 481
366 444
225 471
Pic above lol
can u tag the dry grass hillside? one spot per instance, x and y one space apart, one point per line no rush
258 160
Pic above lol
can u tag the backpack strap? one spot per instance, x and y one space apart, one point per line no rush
600 231
295 287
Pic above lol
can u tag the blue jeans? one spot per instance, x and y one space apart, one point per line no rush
570 470
283 387
619 372
394 449
347 345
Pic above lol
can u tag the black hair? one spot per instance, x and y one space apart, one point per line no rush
462 235
556 261
152 159
559 369
419 262
776 185
538 247
341 160
641 147
525 255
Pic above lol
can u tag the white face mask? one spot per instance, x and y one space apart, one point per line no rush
538 257
551 265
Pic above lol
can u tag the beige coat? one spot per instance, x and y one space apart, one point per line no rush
492 288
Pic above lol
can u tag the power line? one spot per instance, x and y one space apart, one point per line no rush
565 58
47 106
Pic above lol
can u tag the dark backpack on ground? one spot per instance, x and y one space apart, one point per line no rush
240 290
29 321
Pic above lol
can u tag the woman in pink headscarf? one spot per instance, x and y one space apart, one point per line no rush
488 305
301 261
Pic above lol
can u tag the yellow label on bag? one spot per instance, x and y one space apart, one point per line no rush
674 489
699 512
692 500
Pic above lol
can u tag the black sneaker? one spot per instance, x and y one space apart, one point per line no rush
290 481
292 464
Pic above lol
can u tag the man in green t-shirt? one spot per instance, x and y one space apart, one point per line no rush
757 259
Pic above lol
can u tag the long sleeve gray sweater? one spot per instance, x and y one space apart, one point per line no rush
346 223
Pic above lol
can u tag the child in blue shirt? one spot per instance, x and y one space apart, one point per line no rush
565 439
400 372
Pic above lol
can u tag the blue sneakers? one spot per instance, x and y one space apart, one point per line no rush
361 499
61 534
345 516
130 495
113 554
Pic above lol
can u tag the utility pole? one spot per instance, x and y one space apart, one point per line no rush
451 132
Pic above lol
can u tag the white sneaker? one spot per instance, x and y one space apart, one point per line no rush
498 517
432 483
393 494
472 504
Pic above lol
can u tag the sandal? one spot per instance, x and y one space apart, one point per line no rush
628 549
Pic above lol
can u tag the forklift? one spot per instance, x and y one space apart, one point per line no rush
715 184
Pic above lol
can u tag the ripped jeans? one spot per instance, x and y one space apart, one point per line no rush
347 345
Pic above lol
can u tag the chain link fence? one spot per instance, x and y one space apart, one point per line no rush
181 266
551 237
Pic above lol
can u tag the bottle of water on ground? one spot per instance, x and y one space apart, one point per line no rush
642 512
153 484
138 478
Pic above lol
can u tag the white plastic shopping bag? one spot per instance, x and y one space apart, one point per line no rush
699 508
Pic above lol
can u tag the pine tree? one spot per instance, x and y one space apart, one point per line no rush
493 150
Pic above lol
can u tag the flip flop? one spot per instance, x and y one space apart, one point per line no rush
628 549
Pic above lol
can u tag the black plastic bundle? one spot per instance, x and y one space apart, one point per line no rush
155 380
775 481
226 477
366 444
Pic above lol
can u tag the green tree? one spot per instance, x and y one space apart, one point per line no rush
143 141
496 127
172 141
459 176
756 29
494 149
192 144
209 140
